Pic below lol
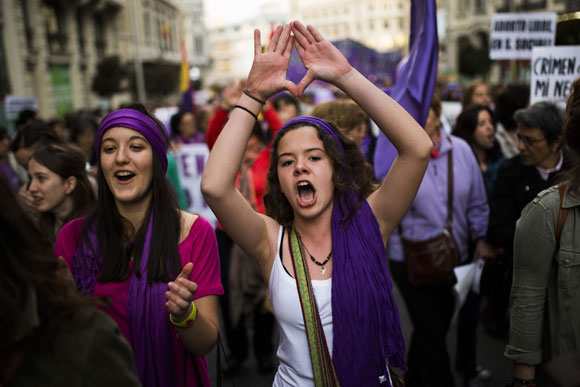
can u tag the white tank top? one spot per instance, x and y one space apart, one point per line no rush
295 365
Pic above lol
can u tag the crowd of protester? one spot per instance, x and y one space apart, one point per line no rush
160 273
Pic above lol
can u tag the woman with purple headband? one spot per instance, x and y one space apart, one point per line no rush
157 266
321 248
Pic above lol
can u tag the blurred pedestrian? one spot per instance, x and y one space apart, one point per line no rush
476 126
184 129
14 174
545 318
513 98
539 165
50 335
59 186
476 92
431 306
157 265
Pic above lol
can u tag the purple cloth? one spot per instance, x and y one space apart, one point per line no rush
8 173
371 64
133 119
197 138
365 318
149 325
414 87
428 214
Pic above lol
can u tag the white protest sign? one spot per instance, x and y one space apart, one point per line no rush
191 159
13 104
554 69
513 35
164 114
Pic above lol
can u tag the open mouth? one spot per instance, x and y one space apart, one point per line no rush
124 175
306 193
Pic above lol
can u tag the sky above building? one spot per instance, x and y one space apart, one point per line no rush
225 12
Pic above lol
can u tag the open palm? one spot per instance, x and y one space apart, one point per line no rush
268 73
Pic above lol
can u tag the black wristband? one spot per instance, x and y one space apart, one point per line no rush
246 92
248 110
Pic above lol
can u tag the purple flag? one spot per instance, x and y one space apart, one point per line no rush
415 81
372 64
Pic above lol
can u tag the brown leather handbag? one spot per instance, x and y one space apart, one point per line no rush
431 262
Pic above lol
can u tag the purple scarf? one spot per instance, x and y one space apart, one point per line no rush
365 318
151 332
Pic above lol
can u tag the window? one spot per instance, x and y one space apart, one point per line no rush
198 46
80 31
100 43
147 26
56 36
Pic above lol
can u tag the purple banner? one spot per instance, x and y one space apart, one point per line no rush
374 65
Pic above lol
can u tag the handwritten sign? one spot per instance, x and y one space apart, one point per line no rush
513 35
191 159
13 104
554 69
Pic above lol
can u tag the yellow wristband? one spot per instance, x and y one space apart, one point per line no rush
189 320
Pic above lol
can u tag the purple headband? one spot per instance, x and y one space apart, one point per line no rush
321 124
133 119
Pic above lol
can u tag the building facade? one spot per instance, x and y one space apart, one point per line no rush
382 25
50 49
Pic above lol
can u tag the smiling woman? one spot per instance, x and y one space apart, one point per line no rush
59 185
157 265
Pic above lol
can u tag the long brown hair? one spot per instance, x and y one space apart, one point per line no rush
572 134
351 164
28 269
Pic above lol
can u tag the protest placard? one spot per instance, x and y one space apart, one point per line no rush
13 104
513 35
191 159
554 69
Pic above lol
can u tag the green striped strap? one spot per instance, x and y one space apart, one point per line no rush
322 367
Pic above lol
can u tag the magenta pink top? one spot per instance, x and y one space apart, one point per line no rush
199 247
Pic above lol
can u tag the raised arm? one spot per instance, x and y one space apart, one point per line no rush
392 200
254 233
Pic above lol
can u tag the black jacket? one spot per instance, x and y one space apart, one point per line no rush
515 187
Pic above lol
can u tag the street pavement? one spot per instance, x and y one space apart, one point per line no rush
490 355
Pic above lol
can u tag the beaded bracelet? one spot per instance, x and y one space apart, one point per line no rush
246 92
189 320
248 110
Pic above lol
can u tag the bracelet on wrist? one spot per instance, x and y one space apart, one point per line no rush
259 100
189 320
247 110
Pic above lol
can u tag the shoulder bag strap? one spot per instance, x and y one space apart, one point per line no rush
450 187
562 214
322 367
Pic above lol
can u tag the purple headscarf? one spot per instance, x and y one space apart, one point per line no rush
142 123
365 318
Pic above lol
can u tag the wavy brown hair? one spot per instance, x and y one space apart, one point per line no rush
350 170
572 134
27 270
344 114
